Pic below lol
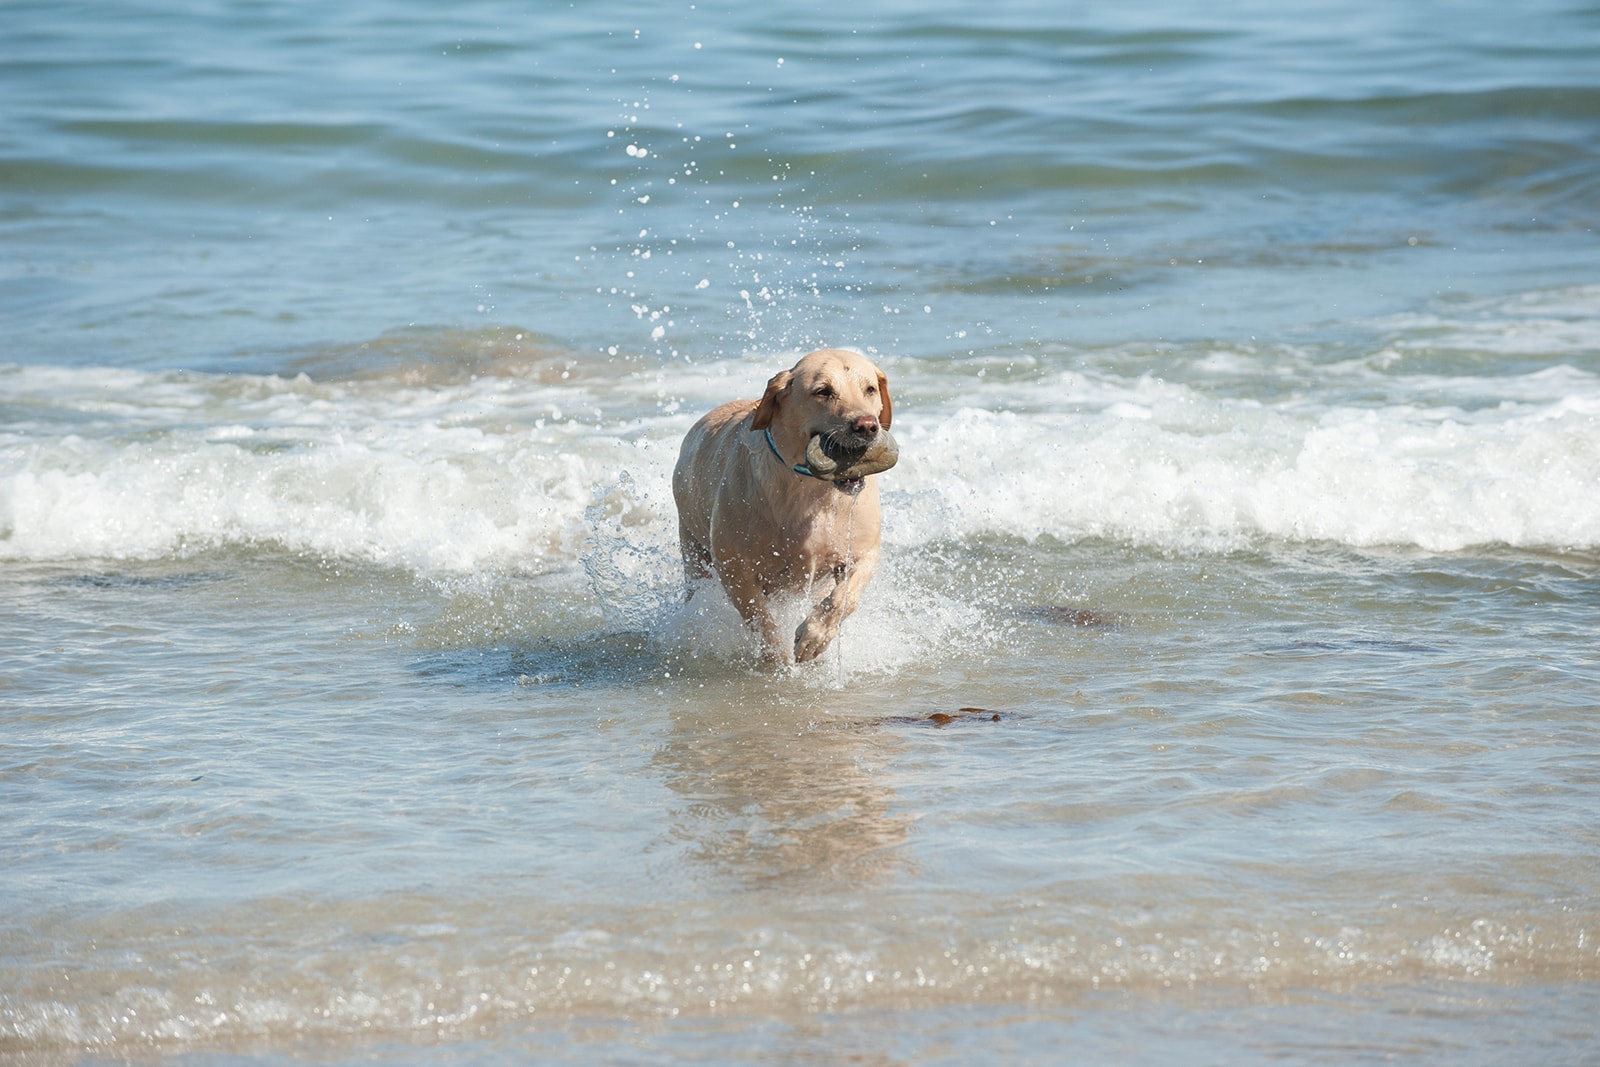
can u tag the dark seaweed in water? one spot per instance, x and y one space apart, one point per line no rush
945 718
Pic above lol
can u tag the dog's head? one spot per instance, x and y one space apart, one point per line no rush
833 392
834 406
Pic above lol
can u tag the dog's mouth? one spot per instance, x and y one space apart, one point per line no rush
843 459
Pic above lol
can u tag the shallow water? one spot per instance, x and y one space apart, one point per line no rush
1227 692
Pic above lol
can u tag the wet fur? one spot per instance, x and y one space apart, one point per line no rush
745 517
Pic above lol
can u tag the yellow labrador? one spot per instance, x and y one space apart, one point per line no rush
777 495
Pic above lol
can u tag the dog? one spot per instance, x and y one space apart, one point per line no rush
779 495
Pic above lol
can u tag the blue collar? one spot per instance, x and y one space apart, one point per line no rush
798 468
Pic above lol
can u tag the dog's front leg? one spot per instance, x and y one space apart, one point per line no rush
750 598
822 625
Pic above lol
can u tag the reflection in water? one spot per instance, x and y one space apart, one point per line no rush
794 798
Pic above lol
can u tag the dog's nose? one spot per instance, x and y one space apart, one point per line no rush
866 426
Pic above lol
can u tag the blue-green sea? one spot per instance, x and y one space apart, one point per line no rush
1229 692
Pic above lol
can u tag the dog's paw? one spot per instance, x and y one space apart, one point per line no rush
812 639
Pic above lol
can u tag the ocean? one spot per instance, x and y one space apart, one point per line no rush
1229 690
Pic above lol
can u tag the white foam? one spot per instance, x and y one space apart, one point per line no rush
499 472
1202 471
430 479
1556 323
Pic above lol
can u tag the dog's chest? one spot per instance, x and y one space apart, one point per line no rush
824 545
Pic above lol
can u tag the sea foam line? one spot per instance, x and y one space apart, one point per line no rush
502 473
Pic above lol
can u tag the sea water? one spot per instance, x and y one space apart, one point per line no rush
1228 690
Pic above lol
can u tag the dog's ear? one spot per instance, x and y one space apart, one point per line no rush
778 384
886 416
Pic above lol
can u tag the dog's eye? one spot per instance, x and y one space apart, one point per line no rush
824 391
872 390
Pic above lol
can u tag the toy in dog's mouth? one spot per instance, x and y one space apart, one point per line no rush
846 466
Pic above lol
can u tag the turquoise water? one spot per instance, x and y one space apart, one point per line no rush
1246 370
